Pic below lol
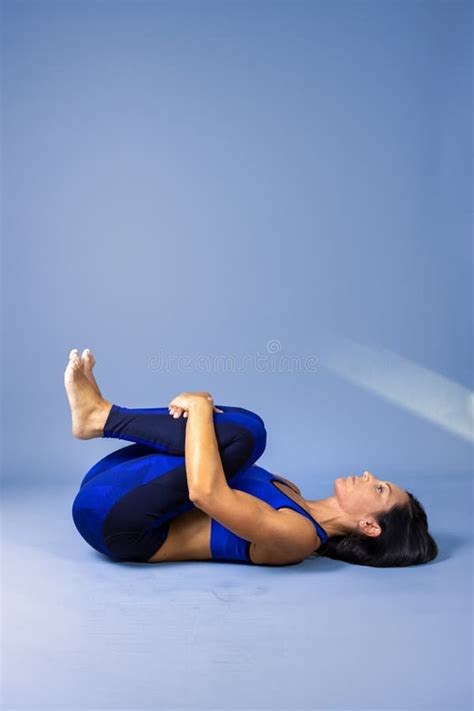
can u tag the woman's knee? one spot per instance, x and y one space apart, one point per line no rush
260 434
242 411
254 428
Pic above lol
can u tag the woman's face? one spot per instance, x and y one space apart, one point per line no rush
366 494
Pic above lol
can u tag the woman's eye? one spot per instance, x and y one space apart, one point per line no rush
380 486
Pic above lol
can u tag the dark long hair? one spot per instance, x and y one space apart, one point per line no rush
404 540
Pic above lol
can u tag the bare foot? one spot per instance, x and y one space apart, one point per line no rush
88 362
88 409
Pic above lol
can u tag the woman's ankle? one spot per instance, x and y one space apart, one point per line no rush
102 415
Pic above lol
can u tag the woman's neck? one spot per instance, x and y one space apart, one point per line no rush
328 515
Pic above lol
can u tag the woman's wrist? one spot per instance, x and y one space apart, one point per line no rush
201 404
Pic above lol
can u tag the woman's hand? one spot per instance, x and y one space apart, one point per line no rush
180 404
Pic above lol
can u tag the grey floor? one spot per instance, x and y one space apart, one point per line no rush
82 632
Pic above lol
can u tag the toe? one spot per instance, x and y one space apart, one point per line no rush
75 360
91 356
88 358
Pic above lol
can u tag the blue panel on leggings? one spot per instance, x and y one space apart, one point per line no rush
132 451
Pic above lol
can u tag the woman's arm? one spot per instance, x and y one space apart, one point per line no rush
244 514
204 470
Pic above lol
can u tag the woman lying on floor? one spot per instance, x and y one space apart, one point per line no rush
188 488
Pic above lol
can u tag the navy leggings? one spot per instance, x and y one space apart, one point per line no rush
127 499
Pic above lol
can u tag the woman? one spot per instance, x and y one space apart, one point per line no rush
189 489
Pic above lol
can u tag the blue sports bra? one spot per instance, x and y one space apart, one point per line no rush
226 545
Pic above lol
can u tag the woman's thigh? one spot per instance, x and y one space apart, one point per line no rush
131 451
124 511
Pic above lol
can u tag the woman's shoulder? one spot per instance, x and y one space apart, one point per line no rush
290 483
305 543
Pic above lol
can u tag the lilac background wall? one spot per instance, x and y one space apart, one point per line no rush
270 201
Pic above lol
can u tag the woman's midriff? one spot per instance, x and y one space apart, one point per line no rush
189 536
